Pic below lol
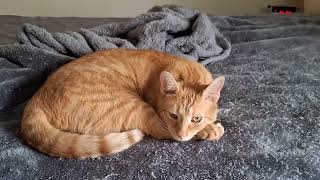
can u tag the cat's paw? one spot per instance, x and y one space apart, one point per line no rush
211 132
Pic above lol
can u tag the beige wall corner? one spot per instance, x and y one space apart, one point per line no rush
312 6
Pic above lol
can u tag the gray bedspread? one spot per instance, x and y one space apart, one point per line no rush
269 107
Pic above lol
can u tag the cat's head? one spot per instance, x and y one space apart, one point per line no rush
187 110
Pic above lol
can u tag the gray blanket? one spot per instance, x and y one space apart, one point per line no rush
269 107
174 29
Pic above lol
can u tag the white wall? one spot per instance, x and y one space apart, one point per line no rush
130 8
312 6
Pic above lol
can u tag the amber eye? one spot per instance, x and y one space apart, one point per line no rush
196 119
173 115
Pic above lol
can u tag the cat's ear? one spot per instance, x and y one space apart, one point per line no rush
168 85
212 92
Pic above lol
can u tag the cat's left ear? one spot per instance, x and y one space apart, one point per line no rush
212 92
168 85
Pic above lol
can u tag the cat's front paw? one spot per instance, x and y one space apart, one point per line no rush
211 132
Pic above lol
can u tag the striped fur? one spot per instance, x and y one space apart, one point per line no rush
103 103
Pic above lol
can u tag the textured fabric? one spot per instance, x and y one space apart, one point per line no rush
174 29
269 107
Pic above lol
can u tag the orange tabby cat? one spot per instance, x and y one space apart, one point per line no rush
106 101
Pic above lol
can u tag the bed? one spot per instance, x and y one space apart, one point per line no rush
270 107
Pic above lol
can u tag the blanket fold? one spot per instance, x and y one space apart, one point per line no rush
174 29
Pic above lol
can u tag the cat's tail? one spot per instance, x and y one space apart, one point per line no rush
40 134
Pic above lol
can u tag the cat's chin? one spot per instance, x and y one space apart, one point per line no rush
178 138
182 139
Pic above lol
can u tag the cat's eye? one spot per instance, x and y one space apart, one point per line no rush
196 119
173 115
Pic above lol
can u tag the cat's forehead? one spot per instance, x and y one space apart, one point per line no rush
186 93
188 103
196 109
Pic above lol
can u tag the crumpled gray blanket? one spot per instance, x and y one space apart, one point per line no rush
174 29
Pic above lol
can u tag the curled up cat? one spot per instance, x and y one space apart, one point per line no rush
105 102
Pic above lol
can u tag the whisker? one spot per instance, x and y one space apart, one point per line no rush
161 121
163 124
208 118
215 122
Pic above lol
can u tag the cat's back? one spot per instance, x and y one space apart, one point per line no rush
118 69
104 72
120 66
